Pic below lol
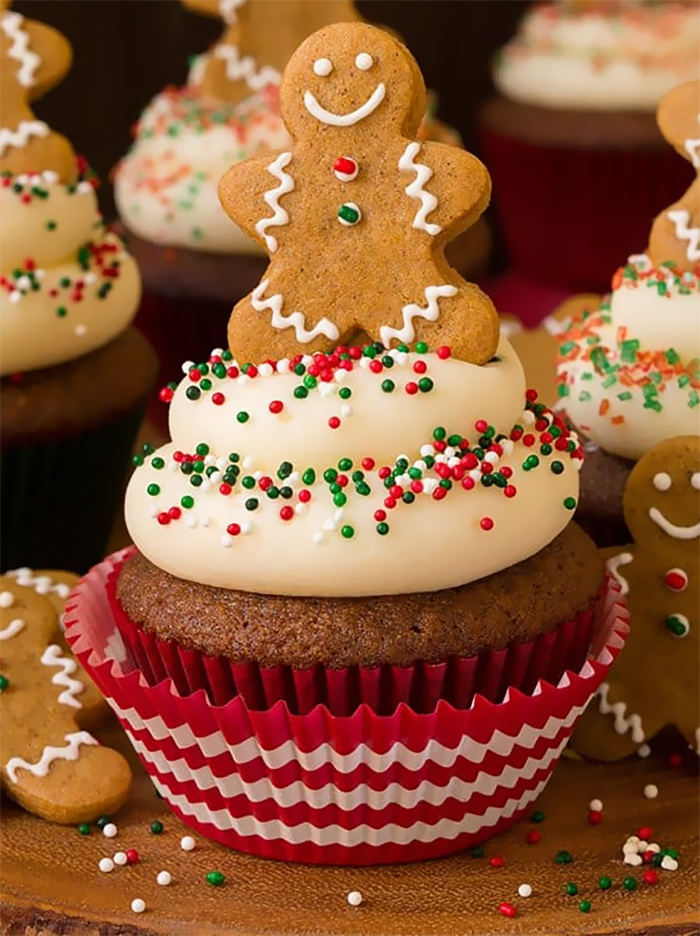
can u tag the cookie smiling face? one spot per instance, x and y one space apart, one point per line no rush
662 500
340 78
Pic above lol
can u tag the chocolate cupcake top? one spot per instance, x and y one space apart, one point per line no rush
607 55
67 286
353 469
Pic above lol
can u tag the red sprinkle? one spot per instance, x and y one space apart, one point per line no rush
368 464
498 861
650 877
276 406
510 490
305 495
481 425
380 515
486 523
174 513
507 909
444 352
334 422
286 513
163 519
595 816
218 398
532 838
420 367
645 833
166 394
132 856
225 489
675 760
411 388
233 529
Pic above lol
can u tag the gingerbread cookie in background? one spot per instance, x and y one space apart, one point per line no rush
49 763
629 367
73 375
654 683
577 87
354 191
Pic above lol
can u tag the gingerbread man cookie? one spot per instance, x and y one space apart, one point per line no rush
675 234
356 213
49 763
33 58
258 40
655 681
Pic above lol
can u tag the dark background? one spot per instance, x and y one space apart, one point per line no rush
125 51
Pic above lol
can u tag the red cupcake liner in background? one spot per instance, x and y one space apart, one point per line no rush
421 686
571 217
320 788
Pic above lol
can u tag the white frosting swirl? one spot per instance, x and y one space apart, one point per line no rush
67 286
630 371
166 186
624 58
332 541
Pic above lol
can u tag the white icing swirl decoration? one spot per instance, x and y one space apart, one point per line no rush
325 474
629 372
67 286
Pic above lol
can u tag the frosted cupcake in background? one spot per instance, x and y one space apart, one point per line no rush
571 133
629 368
75 377
166 186
355 575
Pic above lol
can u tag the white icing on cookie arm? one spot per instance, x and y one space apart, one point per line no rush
680 219
40 768
280 216
623 722
54 656
26 130
430 313
416 189
613 566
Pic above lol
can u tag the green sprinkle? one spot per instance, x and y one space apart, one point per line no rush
382 529
310 382
85 828
153 490
202 449
363 489
563 390
137 460
242 416
439 433
215 878
626 395
630 883
248 481
556 467
309 477
347 532
329 475
604 883
628 350
421 347
157 463
345 464
693 399
345 393
156 827
566 347
532 461
234 457
252 503
571 889
425 385
340 500
478 850
61 311
193 393
301 393
196 480
585 906
388 386
569 503
537 816
103 821
584 396
563 857
51 225
187 502
672 356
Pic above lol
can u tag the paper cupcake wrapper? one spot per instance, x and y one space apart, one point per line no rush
382 688
570 217
360 789
50 520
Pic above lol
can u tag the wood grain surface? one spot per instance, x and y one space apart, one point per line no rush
50 882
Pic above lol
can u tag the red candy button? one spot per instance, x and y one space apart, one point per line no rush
345 169
676 580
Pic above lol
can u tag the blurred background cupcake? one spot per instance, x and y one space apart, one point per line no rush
75 377
629 366
570 138
193 259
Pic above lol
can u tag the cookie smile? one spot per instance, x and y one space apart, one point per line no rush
678 532
345 120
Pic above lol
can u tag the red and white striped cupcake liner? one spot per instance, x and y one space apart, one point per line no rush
354 789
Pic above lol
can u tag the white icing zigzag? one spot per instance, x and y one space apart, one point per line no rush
53 656
227 9
50 754
21 136
416 189
19 50
12 629
680 219
246 68
613 566
296 320
430 313
623 723
272 198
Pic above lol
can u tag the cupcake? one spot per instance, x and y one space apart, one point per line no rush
571 132
74 376
189 251
358 624
629 368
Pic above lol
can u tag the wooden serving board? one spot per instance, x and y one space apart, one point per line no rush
50 882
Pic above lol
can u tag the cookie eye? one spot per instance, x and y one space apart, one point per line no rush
364 61
323 67
662 481
695 481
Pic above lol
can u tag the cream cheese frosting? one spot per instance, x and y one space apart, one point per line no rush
350 474
622 58
67 286
629 372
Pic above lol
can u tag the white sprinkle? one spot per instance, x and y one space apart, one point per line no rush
153 511
138 905
668 863
190 521
110 830
227 540
642 847
7 599
106 865
528 417
317 538
524 890
629 848
265 370
300 509
80 330
596 805
164 878
187 367
346 410
654 848
246 528
633 859
632 838
247 462
121 859
90 277
426 450
651 791
62 590
354 898
283 366
643 751
187 843
205 520
326 389
329 525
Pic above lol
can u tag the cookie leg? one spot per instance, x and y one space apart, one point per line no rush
596 739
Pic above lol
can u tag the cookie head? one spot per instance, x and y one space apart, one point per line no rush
662 498
352 76
678 119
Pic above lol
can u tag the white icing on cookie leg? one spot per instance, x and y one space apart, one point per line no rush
280 216
50 754
29 61
416 189
295 320
430 313
53 656
613 566
26 129
623 723
680 219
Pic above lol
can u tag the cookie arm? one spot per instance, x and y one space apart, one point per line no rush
450 187
252 194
